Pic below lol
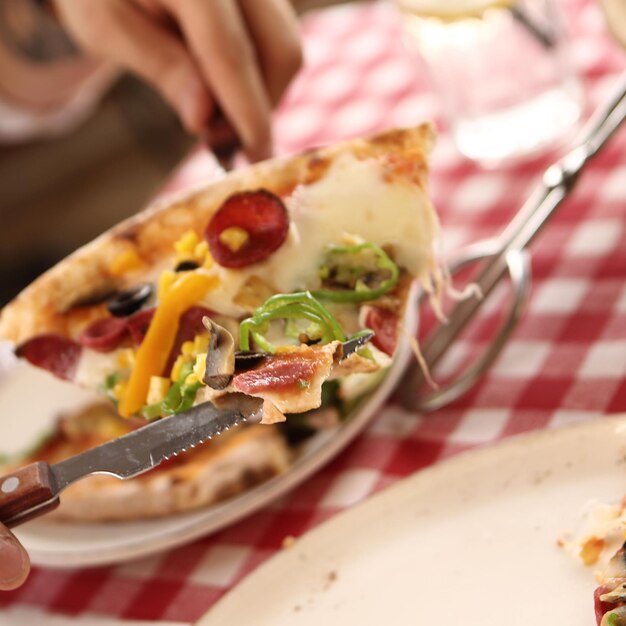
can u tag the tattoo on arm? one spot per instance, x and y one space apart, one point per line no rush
31 32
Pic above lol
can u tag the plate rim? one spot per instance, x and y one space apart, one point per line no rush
609 422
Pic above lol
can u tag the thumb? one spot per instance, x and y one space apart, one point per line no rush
14 561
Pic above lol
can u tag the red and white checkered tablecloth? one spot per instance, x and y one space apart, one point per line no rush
565 363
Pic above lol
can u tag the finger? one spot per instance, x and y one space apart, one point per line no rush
221 44
122 32
274 27
14 561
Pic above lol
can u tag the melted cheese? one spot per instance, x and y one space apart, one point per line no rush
94 367
352 198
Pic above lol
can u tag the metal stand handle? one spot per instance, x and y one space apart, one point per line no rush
518 270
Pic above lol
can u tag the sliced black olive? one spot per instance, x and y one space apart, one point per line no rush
186 266
99 296
129 301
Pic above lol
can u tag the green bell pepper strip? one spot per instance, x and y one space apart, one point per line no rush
362 292
300 305
179 398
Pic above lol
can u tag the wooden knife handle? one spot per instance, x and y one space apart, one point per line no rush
26 493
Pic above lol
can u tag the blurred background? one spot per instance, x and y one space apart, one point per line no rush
59 192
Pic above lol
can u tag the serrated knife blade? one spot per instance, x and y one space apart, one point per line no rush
34 489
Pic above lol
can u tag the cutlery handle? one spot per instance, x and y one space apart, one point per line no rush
26 493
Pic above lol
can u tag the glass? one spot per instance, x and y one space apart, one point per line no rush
502 70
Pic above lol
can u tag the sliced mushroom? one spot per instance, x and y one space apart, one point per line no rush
220 360
616 595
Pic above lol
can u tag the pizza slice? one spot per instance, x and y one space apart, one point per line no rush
251 284
220 469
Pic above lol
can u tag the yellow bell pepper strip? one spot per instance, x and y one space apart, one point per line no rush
188 289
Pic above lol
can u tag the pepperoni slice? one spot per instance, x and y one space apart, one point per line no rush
105 334
600 608
189 326
261 221
52 352
138 324
280 372
384 323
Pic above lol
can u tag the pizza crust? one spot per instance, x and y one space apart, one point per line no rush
243 459
52 303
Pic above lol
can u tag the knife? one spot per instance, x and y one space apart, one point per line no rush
34 489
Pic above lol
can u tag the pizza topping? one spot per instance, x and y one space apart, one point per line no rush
186 266
591 550
247 228
234 237
617 595
153 354
159 386
322 327
615 617
138 324
219 365
128 302
281 372
53 353
357 273
384 323
191 250
189 352
179 397
104 335
280 377
190 325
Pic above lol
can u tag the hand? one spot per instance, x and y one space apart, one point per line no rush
14 561
238 54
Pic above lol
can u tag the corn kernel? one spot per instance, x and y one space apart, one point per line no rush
199 368
159 386
126 261
187 348
200 250
234 237
201 343
192 379
176 368
208 261
118 390
126 358
186 243
166 280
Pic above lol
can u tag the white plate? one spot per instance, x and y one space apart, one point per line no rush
65 544
471 541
